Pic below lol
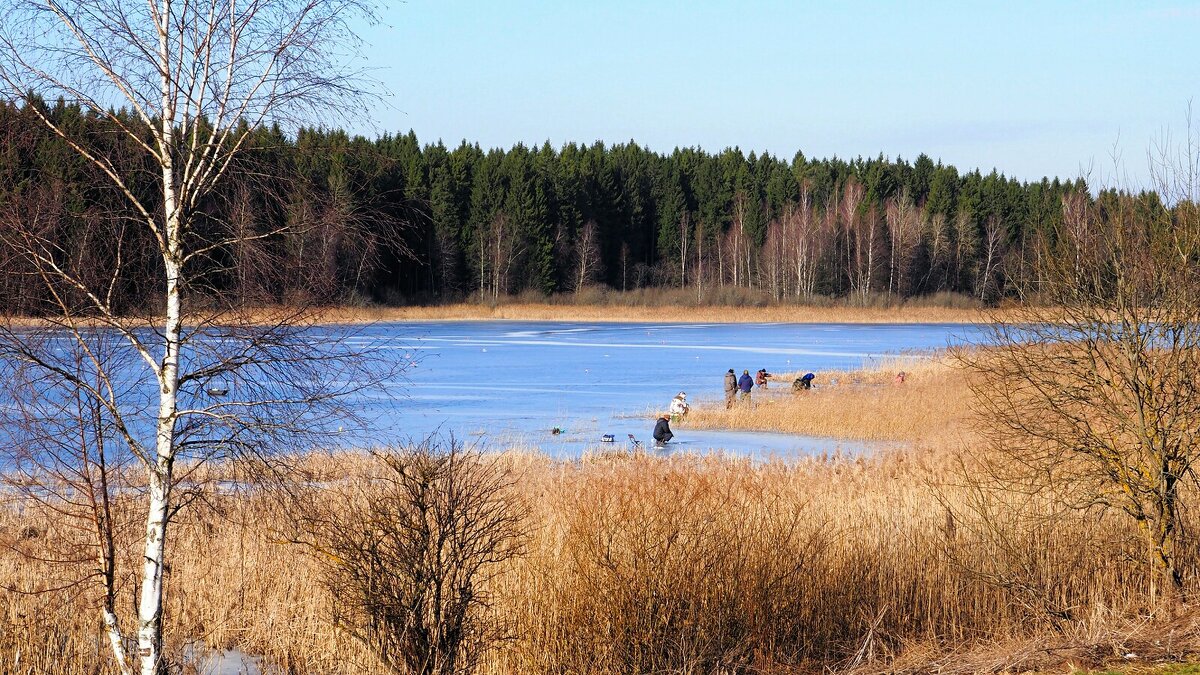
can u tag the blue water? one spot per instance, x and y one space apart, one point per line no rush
510 383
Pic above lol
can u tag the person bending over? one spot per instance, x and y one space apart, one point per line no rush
761 377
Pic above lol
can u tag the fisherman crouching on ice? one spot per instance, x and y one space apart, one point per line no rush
662 431
679 407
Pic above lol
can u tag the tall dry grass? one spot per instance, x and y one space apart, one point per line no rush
932 405
649 564
899 562
544 310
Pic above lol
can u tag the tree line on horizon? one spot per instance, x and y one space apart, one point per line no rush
330 217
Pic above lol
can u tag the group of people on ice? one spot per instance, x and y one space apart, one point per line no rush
734 386
744 385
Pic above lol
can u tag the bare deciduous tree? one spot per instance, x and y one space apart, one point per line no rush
685 237
197 79
738 241
966 247
861 230
995 242
497 254
810 241
587 256
1097 391
904 223
773 259
937 245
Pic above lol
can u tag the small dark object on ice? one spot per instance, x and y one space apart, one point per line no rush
607 438
556 431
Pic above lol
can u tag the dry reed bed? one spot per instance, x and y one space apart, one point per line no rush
540 311
604 313
932 405
646 564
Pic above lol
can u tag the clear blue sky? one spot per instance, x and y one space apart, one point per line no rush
1029 88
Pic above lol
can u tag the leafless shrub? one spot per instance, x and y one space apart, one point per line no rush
1094 399
412 550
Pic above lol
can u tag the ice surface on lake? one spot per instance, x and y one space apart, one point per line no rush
207 661
503 383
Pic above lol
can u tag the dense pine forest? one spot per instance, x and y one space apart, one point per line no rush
325 216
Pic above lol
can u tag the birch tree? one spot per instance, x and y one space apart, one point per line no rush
738 242
497 254
995 241
587 257
196 79
804 229
937 236
904 221
684 238
773 257
860 232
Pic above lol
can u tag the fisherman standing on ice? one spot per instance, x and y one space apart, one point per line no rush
662 431
746 385
730 388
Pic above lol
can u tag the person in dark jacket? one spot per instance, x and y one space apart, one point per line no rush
662 431
730 388
803 382
746 385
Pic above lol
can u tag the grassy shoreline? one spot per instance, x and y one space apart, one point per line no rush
548 311
366 315
533 311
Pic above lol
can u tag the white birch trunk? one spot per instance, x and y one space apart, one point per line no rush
160 472
683 249
870 258
116 640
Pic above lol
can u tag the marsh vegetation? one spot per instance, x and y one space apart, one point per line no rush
630 562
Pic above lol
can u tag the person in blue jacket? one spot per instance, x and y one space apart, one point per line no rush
746 385
803 382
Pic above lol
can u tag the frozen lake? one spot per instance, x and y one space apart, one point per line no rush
510 383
